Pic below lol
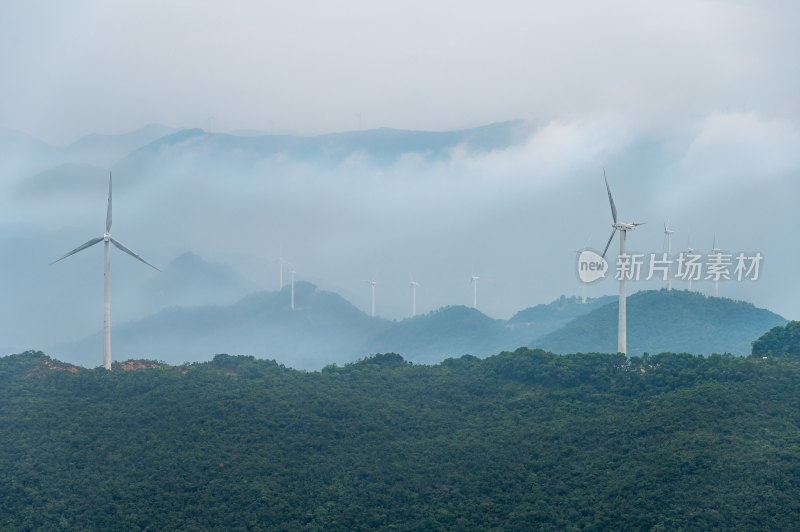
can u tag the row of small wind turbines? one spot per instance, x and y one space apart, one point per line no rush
372 283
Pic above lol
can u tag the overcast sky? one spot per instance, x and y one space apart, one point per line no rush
73 68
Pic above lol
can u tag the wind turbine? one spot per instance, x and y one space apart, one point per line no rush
474 282
668 241
372 285
623 228
579 251
690 251
281 262
715 250
106 239
292 272
414 286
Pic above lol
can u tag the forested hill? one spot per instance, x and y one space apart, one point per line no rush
660 320
517 441
783 342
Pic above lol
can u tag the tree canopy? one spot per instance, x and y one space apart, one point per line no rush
520 440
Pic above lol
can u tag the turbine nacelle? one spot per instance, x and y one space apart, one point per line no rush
626 226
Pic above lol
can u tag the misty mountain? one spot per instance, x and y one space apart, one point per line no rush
65 179
195 148
326 329
660 321
190 281
544 318
105 150
448 332
21 154
323 329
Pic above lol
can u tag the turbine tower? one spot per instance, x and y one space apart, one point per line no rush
623 228
414 286
715 250
579 251
372 285
474 282
668 241
106 239
292 272
690 251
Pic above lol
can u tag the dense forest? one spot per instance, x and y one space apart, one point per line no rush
520 440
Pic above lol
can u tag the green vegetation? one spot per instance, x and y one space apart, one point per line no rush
780 342
676 321
522 440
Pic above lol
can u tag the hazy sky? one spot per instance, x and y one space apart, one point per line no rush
73 68
692 106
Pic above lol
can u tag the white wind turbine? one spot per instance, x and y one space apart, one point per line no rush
689 251
106 239
414 286
292 272
668 241
714 251
474 281
579 251
623 228
281 262
372 287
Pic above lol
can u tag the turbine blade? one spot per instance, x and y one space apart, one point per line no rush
610 199
609 242
108 213
133 254
90 243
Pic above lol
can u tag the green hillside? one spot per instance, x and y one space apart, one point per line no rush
783 342
519 441
542 319
450 331
658 321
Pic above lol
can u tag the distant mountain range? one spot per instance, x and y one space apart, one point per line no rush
157 150
21 154
325 329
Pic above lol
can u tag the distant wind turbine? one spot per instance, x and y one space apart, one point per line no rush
414 286
668 241
474 282
106 239
623 228
372 285
281 262
715 250
689 251
579 251
292 272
